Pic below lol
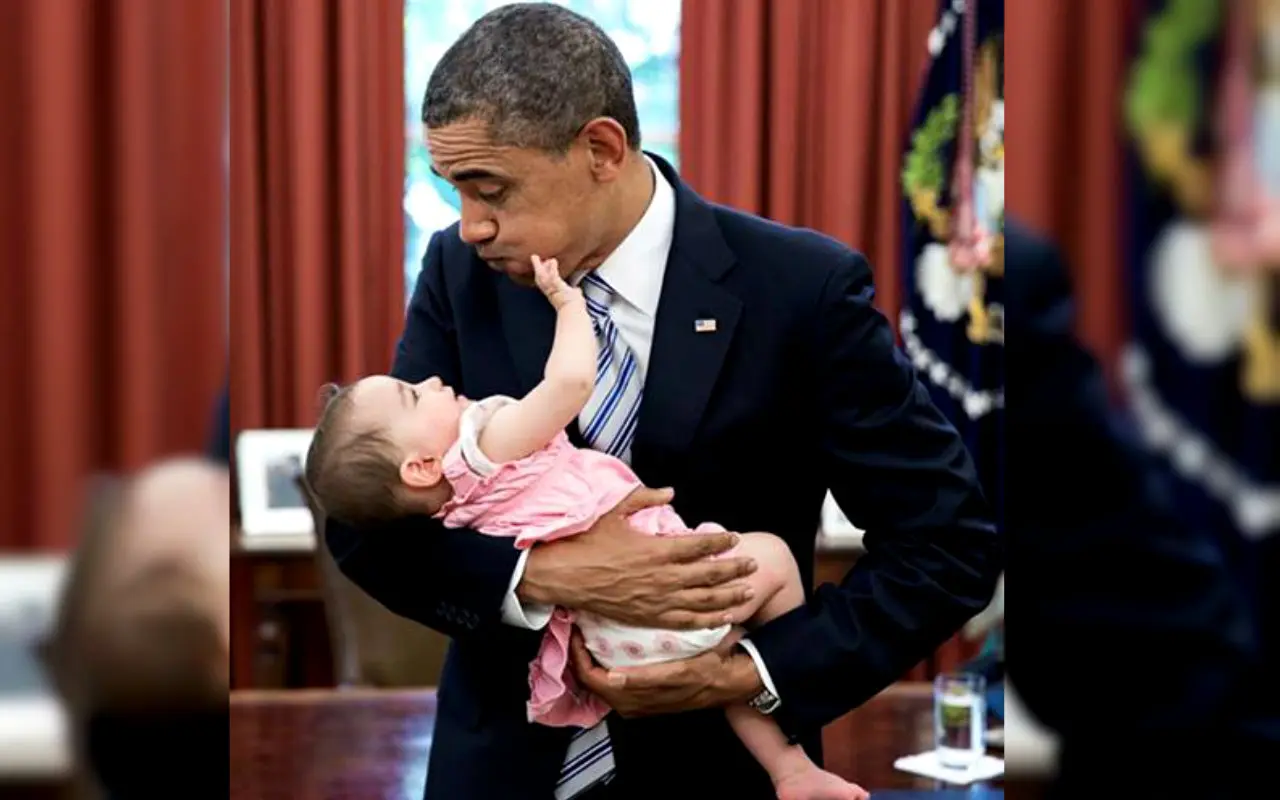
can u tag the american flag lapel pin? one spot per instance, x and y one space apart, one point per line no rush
704 326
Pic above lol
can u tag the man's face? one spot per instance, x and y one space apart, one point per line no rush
519 202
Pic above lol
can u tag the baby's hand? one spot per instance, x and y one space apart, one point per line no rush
547 275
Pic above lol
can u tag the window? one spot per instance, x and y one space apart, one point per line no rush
646 31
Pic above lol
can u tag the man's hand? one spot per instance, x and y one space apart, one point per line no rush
713 679
638 579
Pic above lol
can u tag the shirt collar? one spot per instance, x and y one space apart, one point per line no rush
635 268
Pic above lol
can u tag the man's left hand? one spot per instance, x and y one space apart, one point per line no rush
713 679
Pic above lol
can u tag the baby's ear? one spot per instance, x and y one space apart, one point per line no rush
421 472
325 396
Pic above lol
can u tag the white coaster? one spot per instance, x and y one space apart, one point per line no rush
927 764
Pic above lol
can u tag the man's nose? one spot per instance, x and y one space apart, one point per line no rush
477 225
432 384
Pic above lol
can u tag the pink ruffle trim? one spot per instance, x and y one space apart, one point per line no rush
556 699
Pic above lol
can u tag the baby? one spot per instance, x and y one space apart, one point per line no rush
504 467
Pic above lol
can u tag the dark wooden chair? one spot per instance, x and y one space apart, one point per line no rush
371 645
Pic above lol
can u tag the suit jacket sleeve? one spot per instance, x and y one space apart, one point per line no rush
219 445
900 472
1144 604
452 580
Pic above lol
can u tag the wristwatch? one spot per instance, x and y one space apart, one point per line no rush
766 702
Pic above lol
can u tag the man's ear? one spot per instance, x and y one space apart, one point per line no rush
421 472
607 145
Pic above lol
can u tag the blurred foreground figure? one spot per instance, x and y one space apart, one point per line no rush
1129 636
1201 369
140 655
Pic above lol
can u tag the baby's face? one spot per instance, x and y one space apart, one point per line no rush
421 419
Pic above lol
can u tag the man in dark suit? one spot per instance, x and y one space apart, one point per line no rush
766 376
1128 635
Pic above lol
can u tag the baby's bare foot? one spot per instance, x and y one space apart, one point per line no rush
817 784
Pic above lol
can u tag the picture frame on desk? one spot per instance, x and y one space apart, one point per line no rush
34 746
268 465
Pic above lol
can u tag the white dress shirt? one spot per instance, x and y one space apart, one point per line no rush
635 271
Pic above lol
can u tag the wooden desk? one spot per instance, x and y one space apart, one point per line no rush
280 638
279 634
369 743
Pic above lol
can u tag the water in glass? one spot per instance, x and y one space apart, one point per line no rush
959 712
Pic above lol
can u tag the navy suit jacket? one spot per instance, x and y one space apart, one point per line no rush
799 389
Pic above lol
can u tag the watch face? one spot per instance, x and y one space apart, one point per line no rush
765 702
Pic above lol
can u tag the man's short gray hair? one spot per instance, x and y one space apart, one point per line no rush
536 73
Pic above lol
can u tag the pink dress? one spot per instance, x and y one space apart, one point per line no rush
560 491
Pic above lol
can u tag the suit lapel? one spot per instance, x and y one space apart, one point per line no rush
686 358
694 328
529 323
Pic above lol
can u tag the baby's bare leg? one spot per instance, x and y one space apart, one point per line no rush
777 590
775 584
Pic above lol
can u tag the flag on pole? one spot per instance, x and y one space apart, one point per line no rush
952 180
1201 370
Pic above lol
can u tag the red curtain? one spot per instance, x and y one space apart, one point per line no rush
798 110
112 214
1064 161
317 177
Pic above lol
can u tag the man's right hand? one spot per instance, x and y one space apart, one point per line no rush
636 578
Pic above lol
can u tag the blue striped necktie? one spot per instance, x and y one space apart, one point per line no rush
608 424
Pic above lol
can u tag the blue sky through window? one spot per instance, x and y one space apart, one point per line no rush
646 31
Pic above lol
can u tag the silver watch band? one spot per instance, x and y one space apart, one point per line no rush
766 702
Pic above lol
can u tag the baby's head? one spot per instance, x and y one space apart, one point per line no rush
378 448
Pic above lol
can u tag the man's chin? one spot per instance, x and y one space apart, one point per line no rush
518 273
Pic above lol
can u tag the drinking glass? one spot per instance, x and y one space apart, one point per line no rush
959 718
